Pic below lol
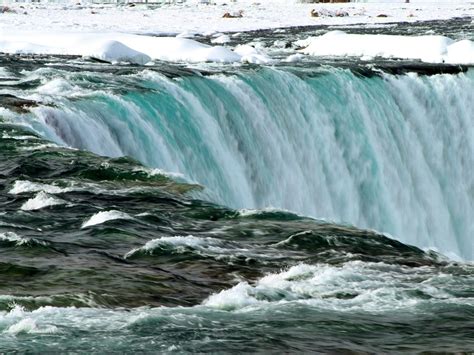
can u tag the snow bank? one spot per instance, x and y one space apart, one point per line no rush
114 51
252 55
116 47
203 18
432 49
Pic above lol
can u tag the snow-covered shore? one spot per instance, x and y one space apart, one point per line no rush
199 18
132 34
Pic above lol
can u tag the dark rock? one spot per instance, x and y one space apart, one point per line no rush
16 104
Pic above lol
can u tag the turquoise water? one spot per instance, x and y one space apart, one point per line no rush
391 153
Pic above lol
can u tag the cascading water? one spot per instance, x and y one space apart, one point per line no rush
393 153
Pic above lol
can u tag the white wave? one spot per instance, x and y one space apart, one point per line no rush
41 200
18 240
354 286
249 212
12 237
19 138
294 58
104 216
6 114
217 249
14 299
29 326
5 73
24 186
56 86
157 171
39 147
181 244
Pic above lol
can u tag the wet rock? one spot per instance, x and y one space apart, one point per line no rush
16 104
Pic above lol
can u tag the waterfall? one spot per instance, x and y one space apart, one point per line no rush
392 153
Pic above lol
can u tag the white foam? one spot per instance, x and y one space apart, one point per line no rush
18 240
157 171
19 138
240 296
432 49
39 147
41 200
29 326
56 87
249 212
104 216
13 237
215 248
5 73
180 243
24 186
372 287
294 58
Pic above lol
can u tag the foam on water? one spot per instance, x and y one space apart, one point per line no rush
25 186
29 326
58 86
353 286
13 237
5 73
104 216
20 241
41 200
39 147
157 171
249 212
203 246
20 138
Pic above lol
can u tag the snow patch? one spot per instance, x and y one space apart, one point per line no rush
115 52
430 49
116 47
